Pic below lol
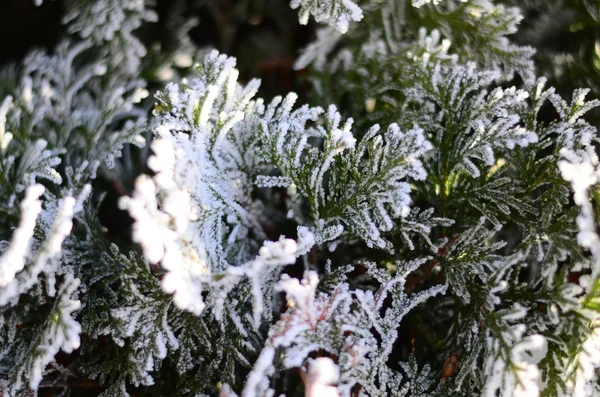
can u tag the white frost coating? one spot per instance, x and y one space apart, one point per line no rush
581 169
14 257
302 294
258 377
322 375
421 3
5 136
333 12
161 236
341 138
270 256
273 181
324 233
56 222
431 46
525 356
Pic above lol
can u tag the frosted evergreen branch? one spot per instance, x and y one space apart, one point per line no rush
421 384
142 321
474 250
188 218
60 331
110 24
56 225
37 162
581 372
581 169
334 12
489 26
23 160
55 86
476 31
491 118
520 376
372 190
16 251
420 223
579 165
317 51
336 323
367 204
5 136
208 109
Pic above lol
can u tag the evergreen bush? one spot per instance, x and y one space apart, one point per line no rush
420 220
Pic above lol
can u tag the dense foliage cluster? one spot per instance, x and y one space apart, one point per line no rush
425 225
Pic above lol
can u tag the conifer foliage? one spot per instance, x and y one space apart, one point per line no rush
424 225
